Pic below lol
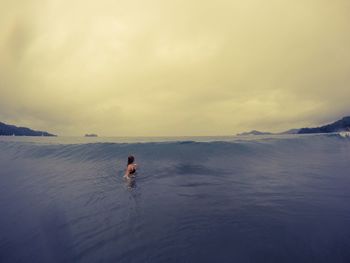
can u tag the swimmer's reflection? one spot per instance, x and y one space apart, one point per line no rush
130 182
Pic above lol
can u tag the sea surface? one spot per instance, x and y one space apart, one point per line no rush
193 199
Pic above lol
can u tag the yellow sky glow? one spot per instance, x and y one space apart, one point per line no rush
162 68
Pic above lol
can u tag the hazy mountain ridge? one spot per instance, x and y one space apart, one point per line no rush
9 130
337 126
255 132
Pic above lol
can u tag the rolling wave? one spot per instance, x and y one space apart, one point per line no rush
190 149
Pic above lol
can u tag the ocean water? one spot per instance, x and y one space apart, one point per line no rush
194 199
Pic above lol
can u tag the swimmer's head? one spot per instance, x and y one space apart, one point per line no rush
131 159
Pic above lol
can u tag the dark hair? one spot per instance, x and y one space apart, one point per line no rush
131 159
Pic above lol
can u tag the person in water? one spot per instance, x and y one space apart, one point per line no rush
131 166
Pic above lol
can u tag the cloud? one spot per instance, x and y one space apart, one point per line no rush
173 67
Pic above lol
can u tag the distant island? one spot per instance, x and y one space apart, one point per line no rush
338 126
11 130
91 135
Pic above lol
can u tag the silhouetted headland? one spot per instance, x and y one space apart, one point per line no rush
338 126
11 130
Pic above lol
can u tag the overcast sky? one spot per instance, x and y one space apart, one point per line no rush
179 67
